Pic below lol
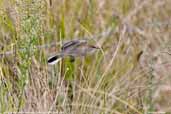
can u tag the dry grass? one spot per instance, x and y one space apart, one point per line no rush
130 75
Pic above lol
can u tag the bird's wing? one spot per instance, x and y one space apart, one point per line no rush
72 44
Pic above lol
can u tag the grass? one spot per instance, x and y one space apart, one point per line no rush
127 76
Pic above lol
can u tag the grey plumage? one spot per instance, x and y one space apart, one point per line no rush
73 48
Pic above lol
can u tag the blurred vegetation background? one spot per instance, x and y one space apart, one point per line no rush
131 74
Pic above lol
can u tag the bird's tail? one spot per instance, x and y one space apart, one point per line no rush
54 59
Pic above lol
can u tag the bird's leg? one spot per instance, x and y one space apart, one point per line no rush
82 68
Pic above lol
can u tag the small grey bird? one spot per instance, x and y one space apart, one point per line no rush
73 48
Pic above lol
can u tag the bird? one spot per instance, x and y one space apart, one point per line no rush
73 49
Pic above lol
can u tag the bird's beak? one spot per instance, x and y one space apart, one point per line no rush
95 47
